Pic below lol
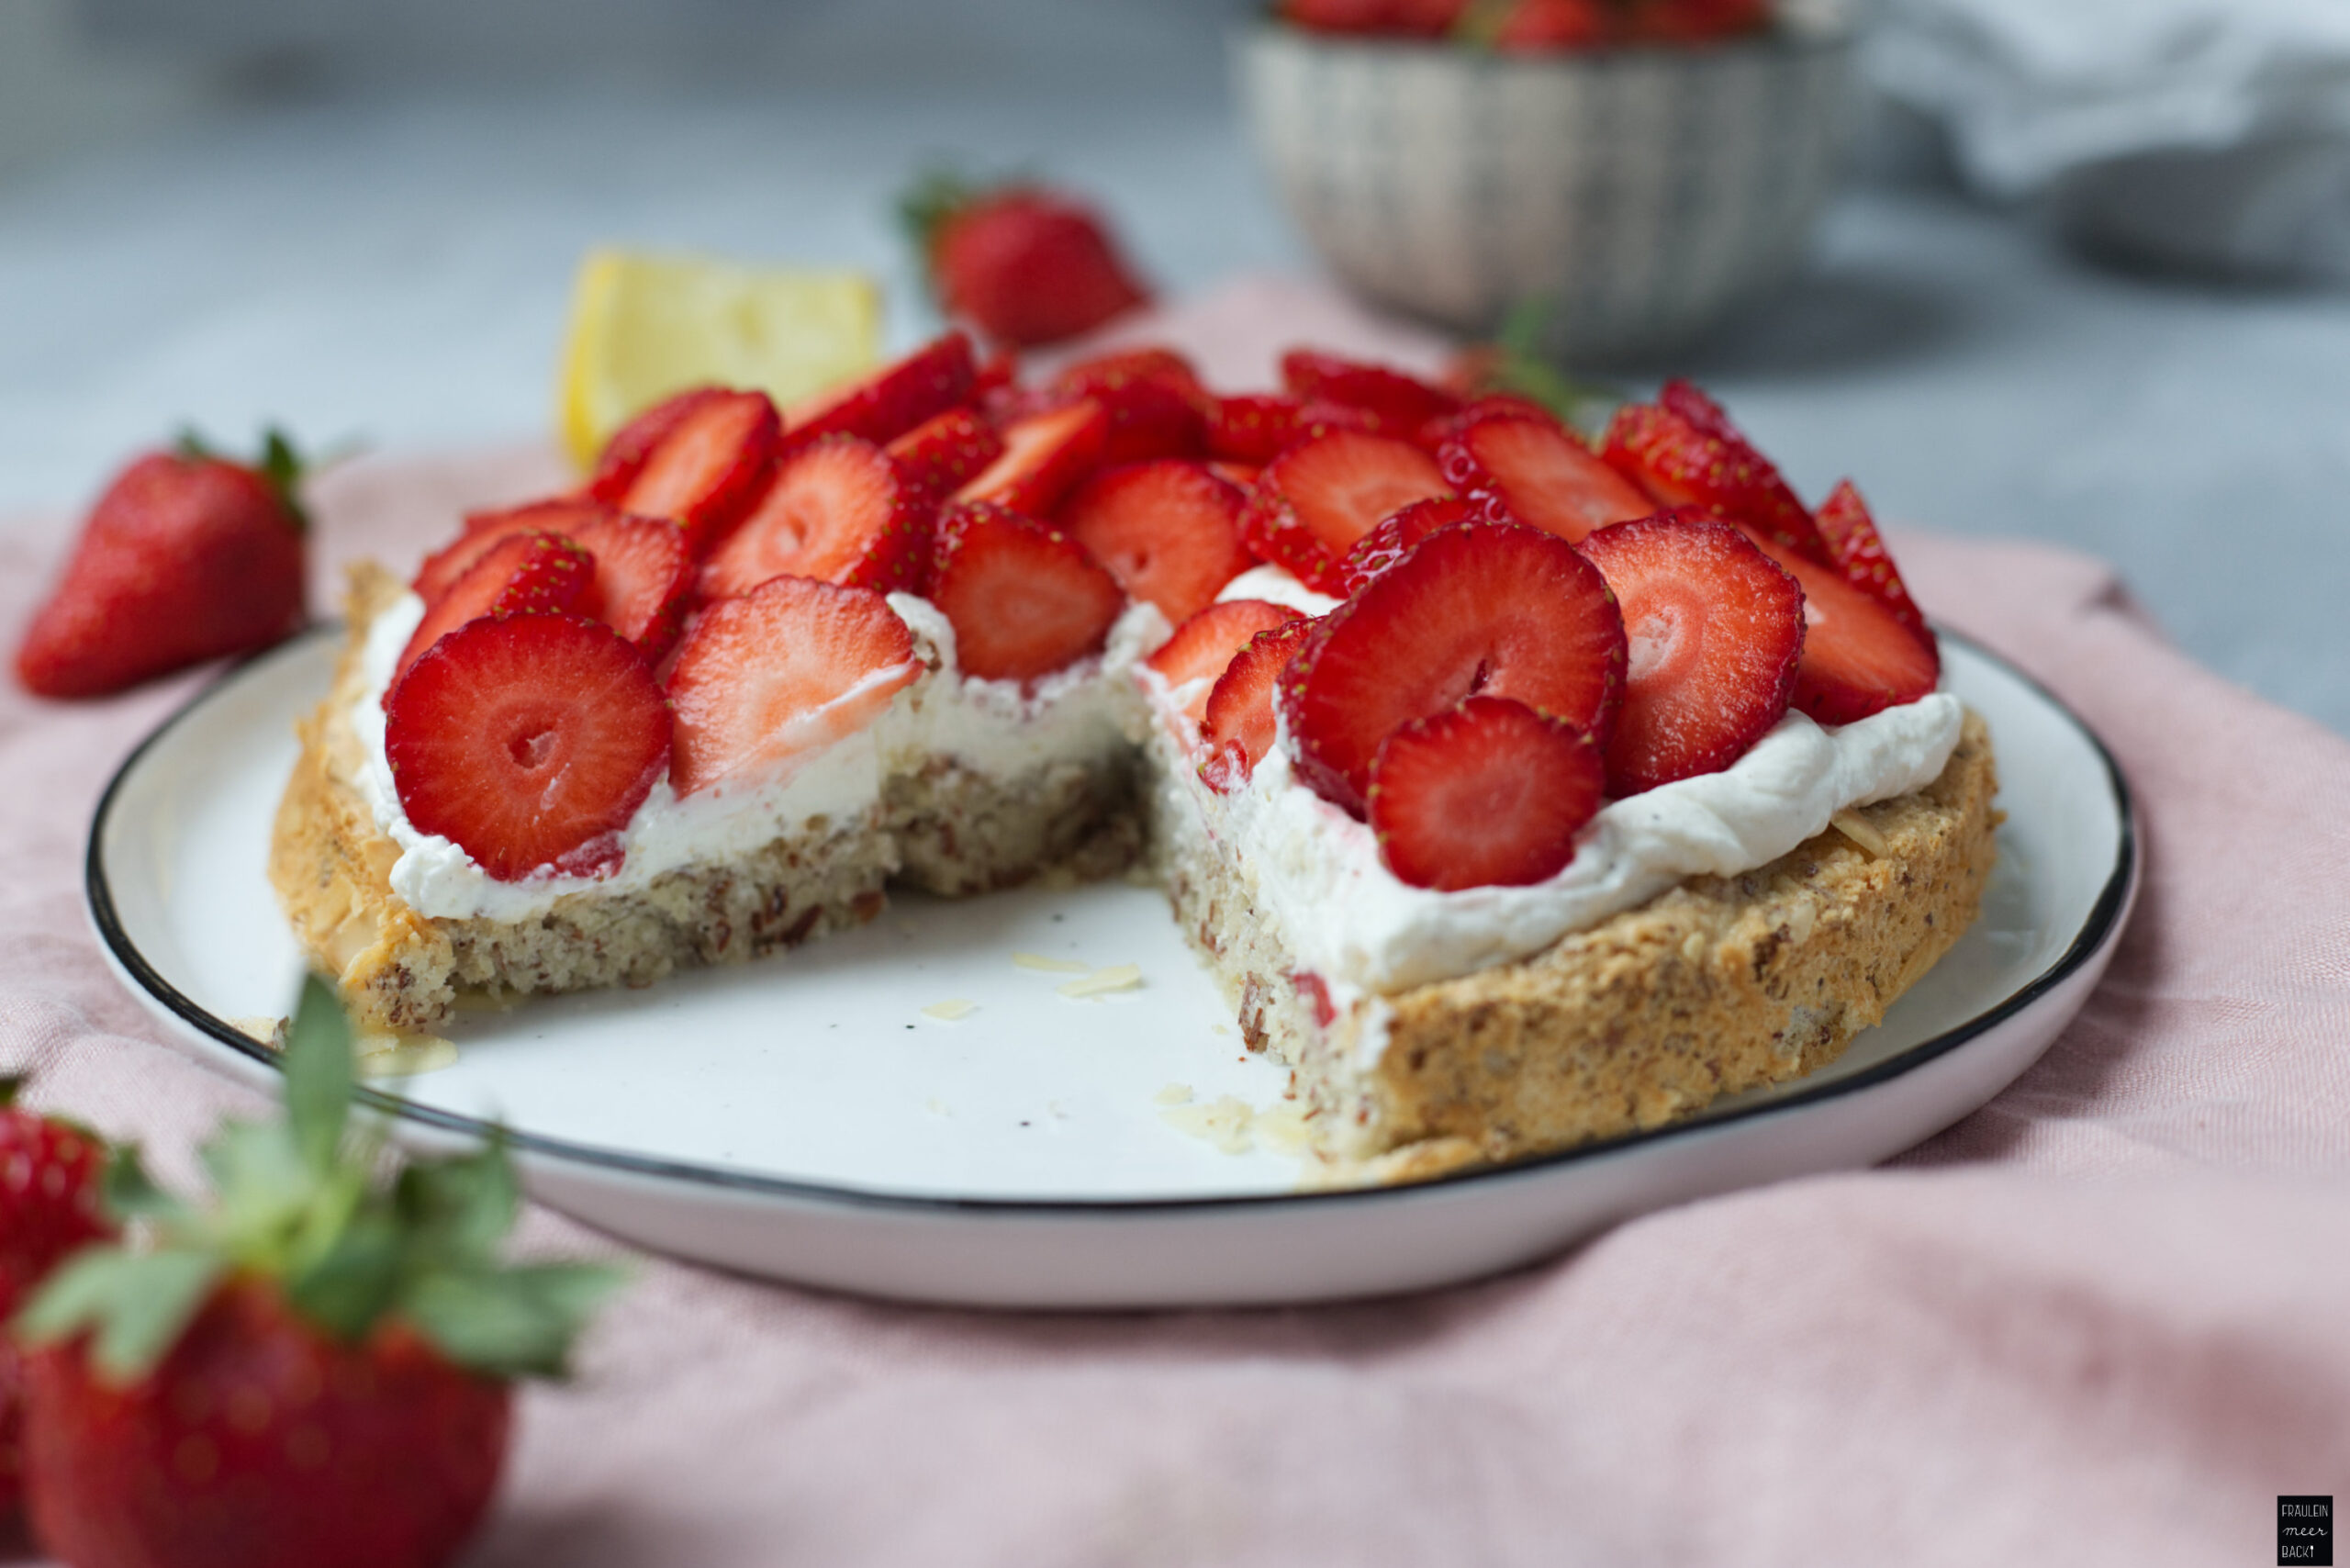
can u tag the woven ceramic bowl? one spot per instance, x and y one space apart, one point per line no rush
1646 194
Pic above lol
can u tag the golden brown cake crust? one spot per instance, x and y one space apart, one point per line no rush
401 972
1720 985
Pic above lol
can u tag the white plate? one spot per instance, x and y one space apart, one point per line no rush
801 1118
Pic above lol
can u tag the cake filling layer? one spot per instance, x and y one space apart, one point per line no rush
992 728
1317 879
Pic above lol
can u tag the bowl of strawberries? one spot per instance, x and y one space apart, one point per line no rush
1640 170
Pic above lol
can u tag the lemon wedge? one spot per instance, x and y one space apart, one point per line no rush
644 326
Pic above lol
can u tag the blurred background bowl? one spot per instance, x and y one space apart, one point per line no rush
1646 194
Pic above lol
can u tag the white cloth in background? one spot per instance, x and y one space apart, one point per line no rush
2210 132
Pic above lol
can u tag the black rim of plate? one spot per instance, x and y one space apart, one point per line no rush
2104 916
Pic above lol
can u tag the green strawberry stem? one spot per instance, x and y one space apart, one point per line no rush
296 1201
1522 366
280 465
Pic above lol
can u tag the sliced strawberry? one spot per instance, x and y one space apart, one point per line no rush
1119 366
625 454
1044 456
1317 498
1489 793
1170 532
1252 428
1403 403
1000 369
1149 418
1433 434
528 741
1684 451
1858 657
1154 398
947 449
1236 722
1024 600
1477 608
704 469
893 400
644 574
1256 428
839 512
565 515
1534 472
1858 550
1392 540
1716 632
1243 476
772 677
520 573
1204 645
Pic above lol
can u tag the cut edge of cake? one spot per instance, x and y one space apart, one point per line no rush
947 829
1719 985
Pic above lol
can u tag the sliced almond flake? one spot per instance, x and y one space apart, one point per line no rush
1050 966
1224 1122
404 1056
1117 977
954 1007
1860 831
270 1032
1283 1128
1173 1094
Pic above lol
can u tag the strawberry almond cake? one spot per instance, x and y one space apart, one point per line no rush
1518 788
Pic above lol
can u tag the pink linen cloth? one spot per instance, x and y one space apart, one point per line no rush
2104 1320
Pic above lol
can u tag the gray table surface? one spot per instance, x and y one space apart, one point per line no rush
393 265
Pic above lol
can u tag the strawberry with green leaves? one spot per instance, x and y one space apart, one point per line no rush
50 1175
1024 263
187 556
315 1369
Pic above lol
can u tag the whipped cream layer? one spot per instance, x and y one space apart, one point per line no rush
992 727
1317 876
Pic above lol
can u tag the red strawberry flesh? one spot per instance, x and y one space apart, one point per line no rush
630 446
770 679
1488 793
706 467
1478 608
565 515
840 511
1858 550
529 741
1684 451
893 400
1169 531
1314 500
1203 646
1716 632
1024 600
1044 456
1858 657
1237 721
1534 472
1393 539
947 450
520 573
645 577
1401 403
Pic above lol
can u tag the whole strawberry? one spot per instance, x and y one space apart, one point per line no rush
314 1370
187 556
50 1175
1026 264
